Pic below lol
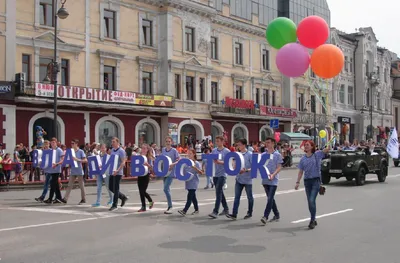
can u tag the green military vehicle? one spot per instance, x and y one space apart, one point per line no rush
355 164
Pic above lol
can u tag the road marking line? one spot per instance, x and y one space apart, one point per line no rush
324 215
48 224
50 210
149 190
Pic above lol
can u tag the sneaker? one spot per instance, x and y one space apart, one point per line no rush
39 199
151 204
168 211
62 200
225 186
123 201
48 201
275 219
143 209
223 213
109 203
57 201
96 205
231 216
195 213
182 212
247 216
264 220
113 208
205 188
212 185
82 202
213 215
312 225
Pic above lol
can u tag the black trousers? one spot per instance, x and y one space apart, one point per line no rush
114 188
143 183
191 198
55 187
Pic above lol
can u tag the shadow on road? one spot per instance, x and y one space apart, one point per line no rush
289 230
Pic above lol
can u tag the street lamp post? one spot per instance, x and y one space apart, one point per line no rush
312 103
373 81
53 67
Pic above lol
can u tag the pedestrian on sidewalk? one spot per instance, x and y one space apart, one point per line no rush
47 177
220 178
116 176
310 166
76 173
243 180
172 153
270 184
100 178
204 166
54 172
7 167
143 181
192 184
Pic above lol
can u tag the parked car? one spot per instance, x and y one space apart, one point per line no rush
355 164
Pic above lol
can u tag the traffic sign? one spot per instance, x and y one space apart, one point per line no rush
274 123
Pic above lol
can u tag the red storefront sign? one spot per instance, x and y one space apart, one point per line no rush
278 112
238 103
101 95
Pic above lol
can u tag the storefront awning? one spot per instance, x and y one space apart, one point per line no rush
294 136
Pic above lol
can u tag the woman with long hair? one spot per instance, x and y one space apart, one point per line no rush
143 181
192 184
310 166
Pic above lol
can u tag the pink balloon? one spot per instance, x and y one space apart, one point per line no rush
293 60
277 136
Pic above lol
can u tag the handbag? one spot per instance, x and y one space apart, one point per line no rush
322 189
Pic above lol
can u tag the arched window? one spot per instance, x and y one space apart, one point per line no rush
147 133
239 133
108 130
265 133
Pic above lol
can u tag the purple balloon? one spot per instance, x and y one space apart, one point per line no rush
293 60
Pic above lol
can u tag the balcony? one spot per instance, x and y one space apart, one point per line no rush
396 94
307 117
40 93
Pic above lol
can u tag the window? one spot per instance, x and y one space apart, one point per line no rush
341 94
178 86
265 97
313 104
238 92
109 78
323 110
346 65
378 100
202 89
43 63
283 8
26 67
65 72
214 92
46 13
109 21
300 102
189 33
146 83
273 98
214 48
107 131
147 27
189 88
258 96
367 98
238 54
265 59
351 65
385 76
378 71
367 69
350 95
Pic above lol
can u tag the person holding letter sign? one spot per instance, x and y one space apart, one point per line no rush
271 183
243 180
173 154
116 176
220 176
192 184
103 177
310 166
75 158
143 181
54 171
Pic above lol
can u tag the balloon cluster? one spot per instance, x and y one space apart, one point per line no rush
293 58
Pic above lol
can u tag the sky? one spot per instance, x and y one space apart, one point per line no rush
381 15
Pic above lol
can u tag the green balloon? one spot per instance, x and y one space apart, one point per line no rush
281 31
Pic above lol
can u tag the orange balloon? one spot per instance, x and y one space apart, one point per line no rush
327 61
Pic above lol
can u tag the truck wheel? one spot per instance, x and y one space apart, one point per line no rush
396 163
360 177
349 178
326 178
382 173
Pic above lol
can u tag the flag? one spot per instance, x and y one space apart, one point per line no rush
393 145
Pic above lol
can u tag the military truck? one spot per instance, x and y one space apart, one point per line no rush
355 164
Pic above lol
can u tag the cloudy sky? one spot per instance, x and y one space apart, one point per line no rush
381 15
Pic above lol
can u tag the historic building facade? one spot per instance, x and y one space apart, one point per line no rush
363 88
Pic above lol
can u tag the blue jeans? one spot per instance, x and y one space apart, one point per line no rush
99 181
46 185
238 193
219 183
208 180
271 204
167 191
312 190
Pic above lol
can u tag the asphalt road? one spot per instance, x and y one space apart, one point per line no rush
356 224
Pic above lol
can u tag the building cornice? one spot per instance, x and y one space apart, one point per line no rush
62 46
263 81
237 25
188 6
191 67
109 54
147 61
240 77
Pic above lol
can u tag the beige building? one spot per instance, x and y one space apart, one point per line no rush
141 70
